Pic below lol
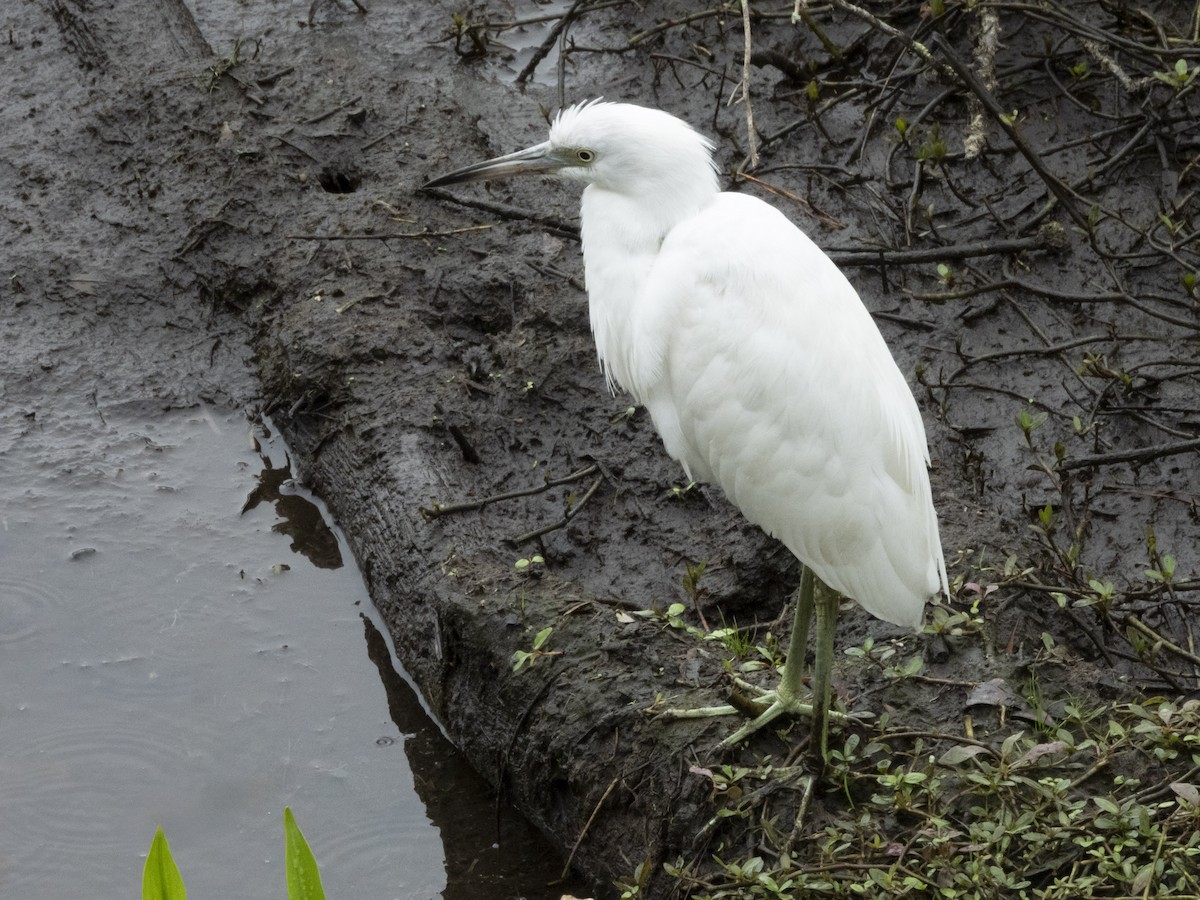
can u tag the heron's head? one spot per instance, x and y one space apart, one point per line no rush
615 146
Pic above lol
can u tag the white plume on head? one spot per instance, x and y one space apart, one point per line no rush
638 150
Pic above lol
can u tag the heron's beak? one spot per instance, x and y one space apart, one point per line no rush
539 160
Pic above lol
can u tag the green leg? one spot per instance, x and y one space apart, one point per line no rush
813 600
791 686
822 684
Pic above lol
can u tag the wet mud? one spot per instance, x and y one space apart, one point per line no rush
424 348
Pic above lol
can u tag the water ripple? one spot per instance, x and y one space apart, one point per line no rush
25 607
64 785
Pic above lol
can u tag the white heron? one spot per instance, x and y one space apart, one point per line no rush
759 365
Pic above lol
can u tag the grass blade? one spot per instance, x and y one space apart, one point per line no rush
161 879
303 877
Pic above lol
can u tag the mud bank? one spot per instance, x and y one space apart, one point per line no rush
417 350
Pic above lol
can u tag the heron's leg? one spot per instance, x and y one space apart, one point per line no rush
822 682
786 698
790 686
813 598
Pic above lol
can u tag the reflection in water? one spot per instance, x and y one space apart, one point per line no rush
300 518
490 850
159 669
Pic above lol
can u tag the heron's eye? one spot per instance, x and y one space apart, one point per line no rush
584 155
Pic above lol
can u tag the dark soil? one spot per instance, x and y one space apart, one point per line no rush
417 349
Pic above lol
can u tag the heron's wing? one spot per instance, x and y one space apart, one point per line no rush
766 375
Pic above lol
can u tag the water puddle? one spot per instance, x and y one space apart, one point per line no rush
181 644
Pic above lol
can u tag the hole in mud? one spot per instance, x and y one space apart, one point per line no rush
339 181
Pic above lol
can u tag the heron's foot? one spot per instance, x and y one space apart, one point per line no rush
766 706
773 705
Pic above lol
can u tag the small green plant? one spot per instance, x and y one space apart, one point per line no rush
303 876
933 148
632 887
1165 571
673 617
521 658
680 493
1079 71
1179 77
161 879
945 274
1029 422
735 641
474 33
691 580
530 566
217 70
1173 227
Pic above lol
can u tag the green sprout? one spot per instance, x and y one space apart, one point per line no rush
521 658
1179 77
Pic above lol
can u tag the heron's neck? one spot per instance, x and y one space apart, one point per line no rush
622 234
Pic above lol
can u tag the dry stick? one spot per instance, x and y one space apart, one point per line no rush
507 211
1048 350
1149 632
561 523
588 824
985 58
795 198
673 23
544 48
751 136
890 30
1064 194
445 509
866 256
1143 454
424 233
800 13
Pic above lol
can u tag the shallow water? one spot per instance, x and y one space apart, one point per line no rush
179 647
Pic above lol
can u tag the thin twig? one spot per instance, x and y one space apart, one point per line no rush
507 211
1136 455
1149 632
423 233
879 25
546 45
561 523
867 256
445 509
1065 195
985 59
588 824
747 53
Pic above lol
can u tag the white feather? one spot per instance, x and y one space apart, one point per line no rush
760 366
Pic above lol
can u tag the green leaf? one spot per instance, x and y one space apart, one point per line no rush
303 876
542 636
1181 68
160 878
958 755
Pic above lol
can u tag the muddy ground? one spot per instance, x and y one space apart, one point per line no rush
176 200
